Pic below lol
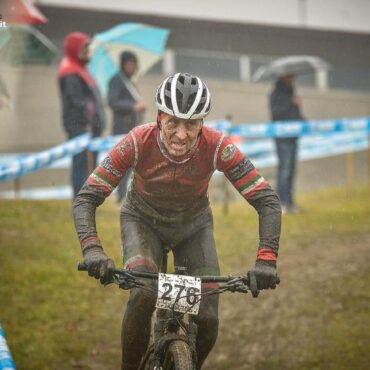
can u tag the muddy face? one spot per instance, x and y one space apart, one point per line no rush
179 135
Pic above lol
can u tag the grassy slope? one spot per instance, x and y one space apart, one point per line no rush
55 317
319 317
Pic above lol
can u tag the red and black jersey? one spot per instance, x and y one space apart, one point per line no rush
176 183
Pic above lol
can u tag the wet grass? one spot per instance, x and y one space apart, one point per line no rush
55 317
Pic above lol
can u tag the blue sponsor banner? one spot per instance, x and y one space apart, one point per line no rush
6 361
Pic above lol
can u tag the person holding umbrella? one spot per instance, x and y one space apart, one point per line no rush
126 104
81 101
285 105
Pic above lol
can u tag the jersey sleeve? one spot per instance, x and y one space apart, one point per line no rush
100 185
257 191
110 171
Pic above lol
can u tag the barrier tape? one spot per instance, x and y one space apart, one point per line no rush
6 361
254 148
306 154
34 162
300 128
24 164
267 159
315 146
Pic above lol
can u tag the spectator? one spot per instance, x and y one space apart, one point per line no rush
82 105
126 104
285 105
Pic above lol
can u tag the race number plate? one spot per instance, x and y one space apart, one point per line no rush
179 292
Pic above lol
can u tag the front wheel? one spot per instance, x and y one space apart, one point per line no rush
178 356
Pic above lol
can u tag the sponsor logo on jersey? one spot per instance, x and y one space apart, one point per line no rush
228 152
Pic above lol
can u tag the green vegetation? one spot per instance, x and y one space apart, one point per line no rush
57 318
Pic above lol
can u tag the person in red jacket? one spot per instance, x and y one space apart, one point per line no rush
167 205
81 103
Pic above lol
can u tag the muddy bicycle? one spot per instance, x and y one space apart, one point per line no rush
173 338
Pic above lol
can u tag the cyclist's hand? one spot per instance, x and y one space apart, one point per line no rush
99 264
262 276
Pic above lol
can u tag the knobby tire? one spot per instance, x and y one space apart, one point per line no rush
178 356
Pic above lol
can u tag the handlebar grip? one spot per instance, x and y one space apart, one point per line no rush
82 266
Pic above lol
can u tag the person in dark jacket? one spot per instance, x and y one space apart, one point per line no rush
81 102
126 103
285 105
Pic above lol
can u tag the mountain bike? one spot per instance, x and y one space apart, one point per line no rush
173 337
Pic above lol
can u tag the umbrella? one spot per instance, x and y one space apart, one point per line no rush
290 65
146 41
23 44
21 11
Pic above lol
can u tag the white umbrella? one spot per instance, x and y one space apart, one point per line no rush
290 65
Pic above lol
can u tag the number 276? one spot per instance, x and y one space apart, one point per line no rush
190 296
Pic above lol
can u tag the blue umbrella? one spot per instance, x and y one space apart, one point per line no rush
146 41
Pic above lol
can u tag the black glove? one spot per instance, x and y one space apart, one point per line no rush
99 264
262 276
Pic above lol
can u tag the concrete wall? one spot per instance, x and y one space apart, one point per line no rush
35 121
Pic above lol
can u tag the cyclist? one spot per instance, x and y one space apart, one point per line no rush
167 206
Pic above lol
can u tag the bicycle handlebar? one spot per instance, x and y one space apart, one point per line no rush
154 275
150 275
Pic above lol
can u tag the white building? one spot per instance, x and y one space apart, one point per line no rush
229 39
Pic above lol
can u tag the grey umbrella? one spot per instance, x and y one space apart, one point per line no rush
290 65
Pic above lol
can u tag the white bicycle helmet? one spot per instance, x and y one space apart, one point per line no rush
184 96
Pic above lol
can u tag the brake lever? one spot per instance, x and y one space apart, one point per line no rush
238 286
242 289
128 284
123 282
